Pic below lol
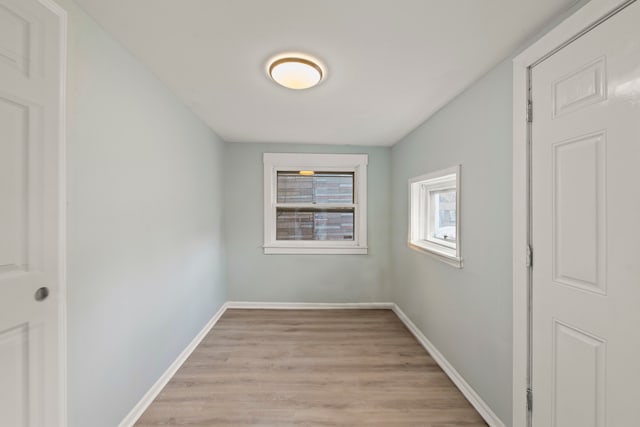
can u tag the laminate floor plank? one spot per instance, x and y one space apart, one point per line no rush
310 368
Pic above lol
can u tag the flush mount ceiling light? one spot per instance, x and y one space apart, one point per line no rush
295 72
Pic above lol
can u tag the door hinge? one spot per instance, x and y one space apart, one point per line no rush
529 260
529 400
529 111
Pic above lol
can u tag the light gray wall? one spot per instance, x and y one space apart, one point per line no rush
465 313
145 249
253 276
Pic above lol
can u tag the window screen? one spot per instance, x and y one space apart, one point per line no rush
315 207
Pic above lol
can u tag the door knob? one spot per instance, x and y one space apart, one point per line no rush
41 294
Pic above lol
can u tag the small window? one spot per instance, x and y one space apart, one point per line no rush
434 213
315 203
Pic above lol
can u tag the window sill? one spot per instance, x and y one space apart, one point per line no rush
280 250
438 252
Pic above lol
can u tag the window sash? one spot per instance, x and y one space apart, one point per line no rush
321 243
433 213
319 188
313 226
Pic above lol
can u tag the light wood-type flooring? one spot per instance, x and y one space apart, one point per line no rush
310 368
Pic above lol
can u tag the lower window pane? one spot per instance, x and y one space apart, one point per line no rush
445 215
297 224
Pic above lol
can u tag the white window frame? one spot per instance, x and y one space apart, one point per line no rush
422 215
356 163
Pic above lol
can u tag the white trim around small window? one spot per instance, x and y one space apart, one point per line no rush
434 215
322 209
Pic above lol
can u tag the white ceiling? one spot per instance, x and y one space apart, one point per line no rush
391 63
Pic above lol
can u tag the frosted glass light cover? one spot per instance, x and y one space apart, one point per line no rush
295 73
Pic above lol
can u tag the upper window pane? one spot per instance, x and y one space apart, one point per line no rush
321 187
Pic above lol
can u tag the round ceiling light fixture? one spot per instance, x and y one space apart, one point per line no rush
295 71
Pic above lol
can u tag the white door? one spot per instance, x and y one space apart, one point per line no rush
30 361
586 229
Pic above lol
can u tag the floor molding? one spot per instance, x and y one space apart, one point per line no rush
137 411
472 396
309 305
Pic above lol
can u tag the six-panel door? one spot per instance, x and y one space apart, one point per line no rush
586 233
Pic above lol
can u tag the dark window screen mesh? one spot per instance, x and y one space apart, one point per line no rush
304 224
315 223
322 187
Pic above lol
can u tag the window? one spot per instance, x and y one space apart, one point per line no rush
315 203
434 212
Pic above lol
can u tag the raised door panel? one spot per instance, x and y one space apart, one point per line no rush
578 378
22 364
580 88
13 185
14 372
579 256
15 40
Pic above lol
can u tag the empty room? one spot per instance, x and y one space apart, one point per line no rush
339 213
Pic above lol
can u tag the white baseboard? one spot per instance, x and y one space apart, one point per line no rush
472 396
468 392
309 305
156 388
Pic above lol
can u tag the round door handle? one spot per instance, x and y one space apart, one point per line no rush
41 294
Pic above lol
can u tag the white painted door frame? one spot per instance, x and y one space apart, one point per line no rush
584 19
